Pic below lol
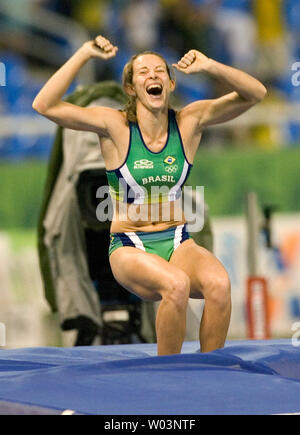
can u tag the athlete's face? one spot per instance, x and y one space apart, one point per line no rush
151 82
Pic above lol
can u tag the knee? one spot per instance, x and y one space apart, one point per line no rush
218 290
177 290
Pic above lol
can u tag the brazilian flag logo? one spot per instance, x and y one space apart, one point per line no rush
169 160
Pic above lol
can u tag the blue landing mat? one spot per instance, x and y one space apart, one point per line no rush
246 377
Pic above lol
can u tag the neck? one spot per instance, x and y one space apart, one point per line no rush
153 124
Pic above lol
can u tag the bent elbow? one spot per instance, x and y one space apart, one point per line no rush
38 106
261 94
41 106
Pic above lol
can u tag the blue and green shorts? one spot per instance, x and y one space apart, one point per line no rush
162 243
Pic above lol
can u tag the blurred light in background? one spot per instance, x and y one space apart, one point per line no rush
259 36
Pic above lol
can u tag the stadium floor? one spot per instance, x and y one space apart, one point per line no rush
246 377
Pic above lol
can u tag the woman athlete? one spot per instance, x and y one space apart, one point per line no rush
149 145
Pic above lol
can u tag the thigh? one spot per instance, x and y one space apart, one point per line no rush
201 266
142 273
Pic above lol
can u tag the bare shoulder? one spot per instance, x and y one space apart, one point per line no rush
114 144
108 114
113 120
189 117
193 112
188 121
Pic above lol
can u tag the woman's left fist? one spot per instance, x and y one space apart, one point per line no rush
193 61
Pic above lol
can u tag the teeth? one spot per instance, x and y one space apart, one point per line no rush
153 87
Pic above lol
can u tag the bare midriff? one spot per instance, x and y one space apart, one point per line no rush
147 217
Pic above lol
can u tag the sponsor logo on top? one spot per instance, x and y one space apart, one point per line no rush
143 164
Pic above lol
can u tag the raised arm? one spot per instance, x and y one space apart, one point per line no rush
246 90
49 102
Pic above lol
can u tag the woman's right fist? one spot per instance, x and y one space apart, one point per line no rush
100 47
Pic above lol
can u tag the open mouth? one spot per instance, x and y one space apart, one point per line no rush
154 89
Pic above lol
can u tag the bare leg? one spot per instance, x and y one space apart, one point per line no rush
214 325
153 279
171 325
210 280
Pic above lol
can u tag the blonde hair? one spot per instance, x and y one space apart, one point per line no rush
127 77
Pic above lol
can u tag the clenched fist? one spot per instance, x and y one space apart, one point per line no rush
193 61
100 47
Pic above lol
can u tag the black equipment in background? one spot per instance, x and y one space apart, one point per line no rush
121 311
